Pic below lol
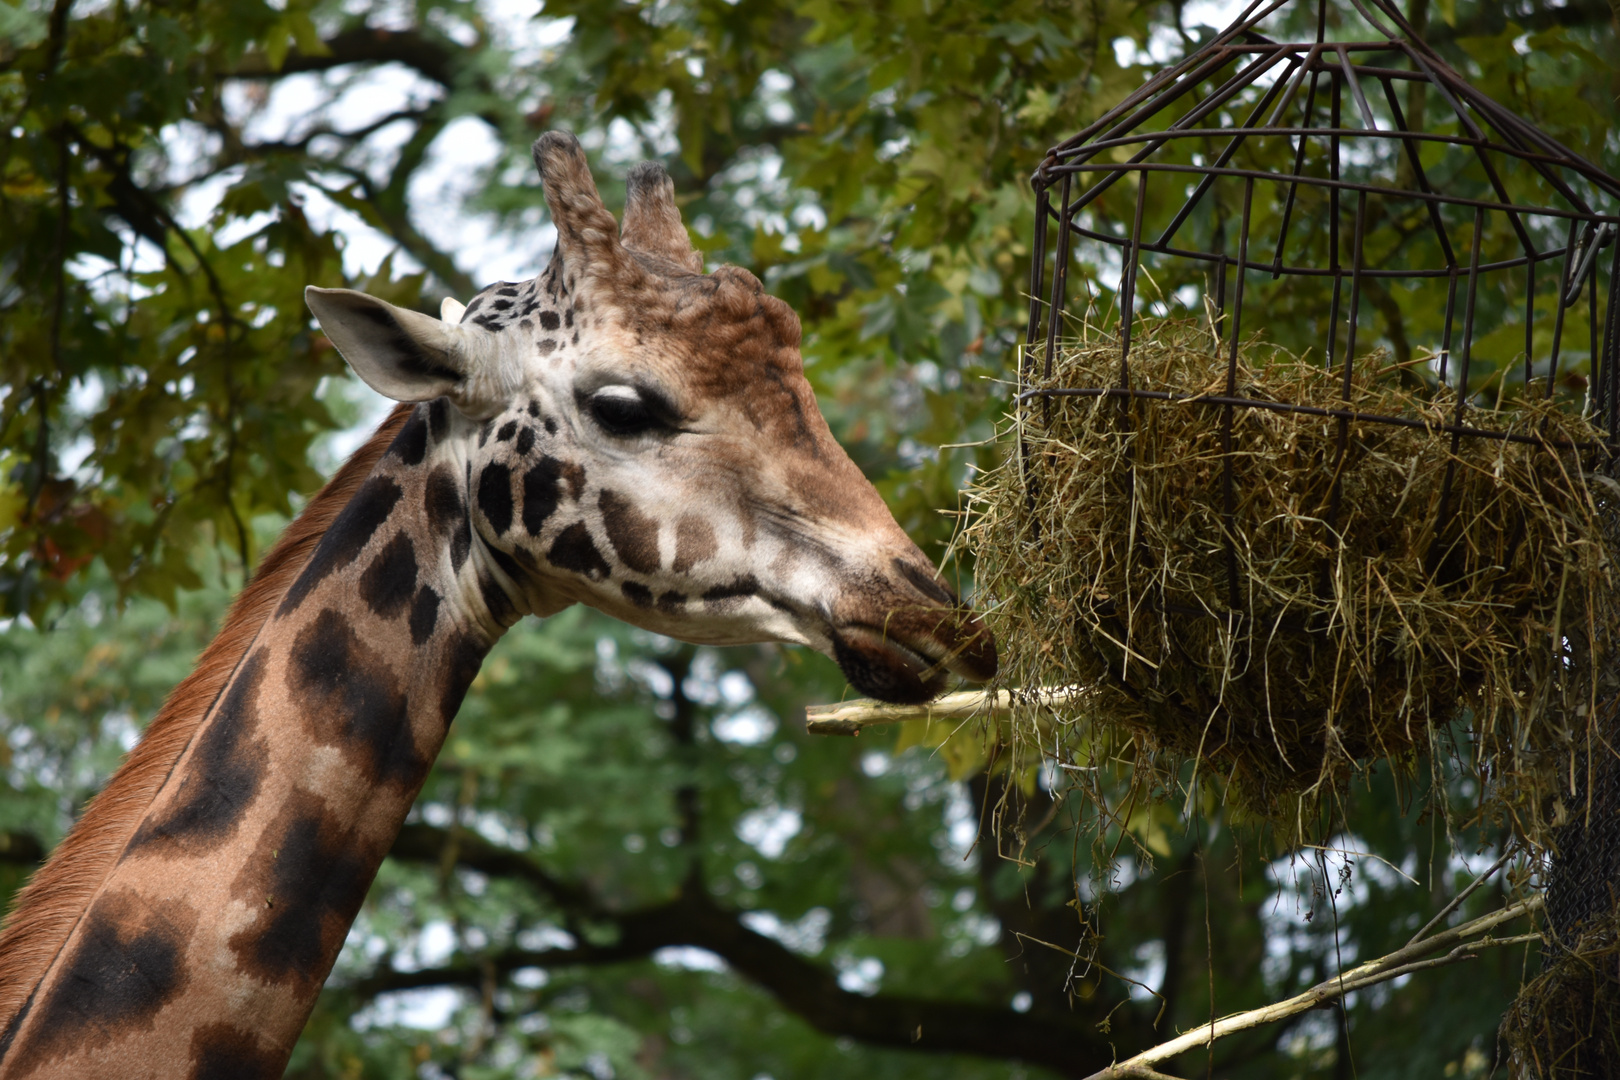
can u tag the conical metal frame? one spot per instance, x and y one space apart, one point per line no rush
1243 88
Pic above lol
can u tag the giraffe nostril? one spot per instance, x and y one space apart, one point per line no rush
926 582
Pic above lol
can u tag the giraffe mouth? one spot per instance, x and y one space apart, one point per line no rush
879 666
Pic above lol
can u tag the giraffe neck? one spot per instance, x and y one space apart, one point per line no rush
210 936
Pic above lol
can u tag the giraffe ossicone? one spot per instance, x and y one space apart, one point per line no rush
623 431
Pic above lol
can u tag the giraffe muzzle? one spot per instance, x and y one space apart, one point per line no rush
907 663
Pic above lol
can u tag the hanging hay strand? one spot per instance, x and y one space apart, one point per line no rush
1327 609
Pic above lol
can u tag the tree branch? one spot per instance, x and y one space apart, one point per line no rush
803 987
429 57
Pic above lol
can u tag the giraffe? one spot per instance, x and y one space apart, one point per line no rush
623 431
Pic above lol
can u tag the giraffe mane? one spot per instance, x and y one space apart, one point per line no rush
50 905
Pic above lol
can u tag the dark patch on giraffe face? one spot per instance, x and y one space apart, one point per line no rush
439 418
574 475
568 318
541 493
546 346
880 673
638 594
634 536
925 582
351 697
411 444
549 320
551 426
508 430
390 581
534 409
348 535
495 497
465 657
227 1052
305 884
424 615
721 595
125 964
484 431
672 602
525 442
226 769
694 542
575 551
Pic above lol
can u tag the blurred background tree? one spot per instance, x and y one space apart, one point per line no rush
631 862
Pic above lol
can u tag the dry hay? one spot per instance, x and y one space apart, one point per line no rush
1326 628
1565 1023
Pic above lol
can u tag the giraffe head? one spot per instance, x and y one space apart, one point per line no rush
639 436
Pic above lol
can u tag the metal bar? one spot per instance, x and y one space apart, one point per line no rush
1336 100
1355 88
1216 99
1303 271
1590 245
1415 42
1417 171
1127 305
1559 306
1237 296
1466 358
1228 486
1217 46
1529 322
1037 275
1299 168
1346 185
1445 336
1226 155
1358 133
1060 279
1306 410
1355 292
1474 129
1611 339
1293 91
1600 379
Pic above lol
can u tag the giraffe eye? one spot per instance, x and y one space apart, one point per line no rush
623 410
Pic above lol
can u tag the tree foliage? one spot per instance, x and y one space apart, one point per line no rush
630 861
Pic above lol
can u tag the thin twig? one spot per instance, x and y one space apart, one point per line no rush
849 717
1457 900
1403 961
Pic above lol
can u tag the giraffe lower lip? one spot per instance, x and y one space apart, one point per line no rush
883 668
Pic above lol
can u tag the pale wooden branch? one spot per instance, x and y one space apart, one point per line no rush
1417 956
849 717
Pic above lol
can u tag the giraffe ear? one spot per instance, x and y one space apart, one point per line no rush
587 235
652 221
405 355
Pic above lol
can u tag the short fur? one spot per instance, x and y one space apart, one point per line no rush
52 903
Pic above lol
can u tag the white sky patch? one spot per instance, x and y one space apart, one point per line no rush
859 975
806 935
455 170
768 829
688 958
745 727
427 1009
